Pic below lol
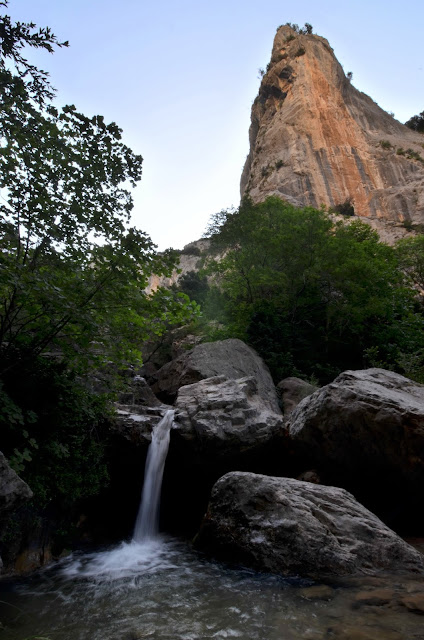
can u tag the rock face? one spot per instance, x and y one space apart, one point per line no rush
188 260
315 139
297 528
367 430
231 358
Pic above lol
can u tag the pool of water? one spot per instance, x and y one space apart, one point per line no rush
162 589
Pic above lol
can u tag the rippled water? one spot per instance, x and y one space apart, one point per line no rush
162 589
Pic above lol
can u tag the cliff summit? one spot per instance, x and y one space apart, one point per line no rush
315 139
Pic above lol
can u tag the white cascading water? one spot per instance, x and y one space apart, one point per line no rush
147 552
147 523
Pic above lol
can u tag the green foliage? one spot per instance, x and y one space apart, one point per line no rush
13 39
58 444
385 144
73 273
416 123
194 285
73 276
410 253
307 29
409 153
312 296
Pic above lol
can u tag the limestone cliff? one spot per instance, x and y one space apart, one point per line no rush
315 139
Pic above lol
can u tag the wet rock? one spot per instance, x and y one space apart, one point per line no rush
231 358
290 527
365 430
368 632
375 597
317 592
414 602
138 412
135 423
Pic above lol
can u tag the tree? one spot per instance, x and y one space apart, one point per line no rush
416 123
312 296
73 274
410 252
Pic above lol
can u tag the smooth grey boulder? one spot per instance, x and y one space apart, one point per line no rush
231 358
364 419
365 432
292 391
225 417
291 527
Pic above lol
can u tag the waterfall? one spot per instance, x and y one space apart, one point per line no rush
147 523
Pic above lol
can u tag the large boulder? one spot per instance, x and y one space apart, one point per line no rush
231 358
291 527
365 432
220 425
223 418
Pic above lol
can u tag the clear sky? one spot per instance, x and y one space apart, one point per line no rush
179 77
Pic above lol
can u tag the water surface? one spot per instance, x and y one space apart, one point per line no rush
162 589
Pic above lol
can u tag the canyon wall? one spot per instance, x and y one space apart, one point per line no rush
316 140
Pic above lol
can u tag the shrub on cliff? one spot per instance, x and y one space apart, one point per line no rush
416 123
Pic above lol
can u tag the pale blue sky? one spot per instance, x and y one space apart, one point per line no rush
180 77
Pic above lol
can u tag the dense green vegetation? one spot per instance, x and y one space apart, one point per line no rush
72 275
312 296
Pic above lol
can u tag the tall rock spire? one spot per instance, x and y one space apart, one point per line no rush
315 139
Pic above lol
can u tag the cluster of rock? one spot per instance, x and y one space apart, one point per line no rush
364 432
274 506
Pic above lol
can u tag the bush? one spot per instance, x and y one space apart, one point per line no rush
54 430
345 208
311 295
